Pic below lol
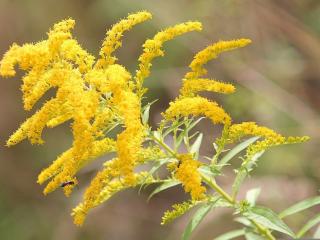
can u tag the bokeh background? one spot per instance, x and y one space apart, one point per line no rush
278 85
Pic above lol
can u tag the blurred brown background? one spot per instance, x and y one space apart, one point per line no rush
278 85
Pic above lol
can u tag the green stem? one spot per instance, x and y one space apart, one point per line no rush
226 196
263 230
218 189
165 146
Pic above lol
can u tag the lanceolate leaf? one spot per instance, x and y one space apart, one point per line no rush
311 223
236 150
196 219
305 204
244 221
252 195
196 146
267 218
231 235
243 172
164 186
208 171
146 111
241 175
193 124
317 233
154 169
253 236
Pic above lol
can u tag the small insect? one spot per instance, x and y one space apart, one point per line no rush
179 163
67 183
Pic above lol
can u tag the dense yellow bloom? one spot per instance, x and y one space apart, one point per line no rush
152 48
102 187
64 167
58 34
197 106
237 131
271 138
91 196
72 51
191 87
112 40
130 140
187 173
99 148
98 96
211 52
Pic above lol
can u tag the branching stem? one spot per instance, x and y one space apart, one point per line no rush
262 230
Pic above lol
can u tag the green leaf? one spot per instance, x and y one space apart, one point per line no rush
193 124
164 186
196 219
241 175
231 235
252 196
208 171
196 146
180 138
305 204
157 135
243 221
146 111
317 233
269 219
175 125
311 223
145 115
153 170
236 150
243 172
253 236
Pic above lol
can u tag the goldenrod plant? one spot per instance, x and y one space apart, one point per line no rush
98 95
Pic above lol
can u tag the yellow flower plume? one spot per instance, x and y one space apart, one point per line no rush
152 48
210 53
112 40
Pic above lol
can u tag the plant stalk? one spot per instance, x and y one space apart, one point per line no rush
264 231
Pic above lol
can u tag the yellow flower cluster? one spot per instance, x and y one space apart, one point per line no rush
192 86
271 138
94 95
152 49
177 211
98 95
113 38
197 106
187 173
103 187
211 52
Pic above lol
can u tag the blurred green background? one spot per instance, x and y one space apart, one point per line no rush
278 85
